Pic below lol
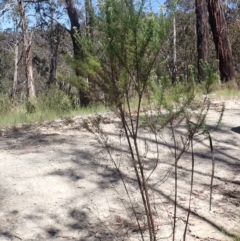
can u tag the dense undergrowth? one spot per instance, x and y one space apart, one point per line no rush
56 104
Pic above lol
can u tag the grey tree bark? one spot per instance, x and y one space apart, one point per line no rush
27 52
15 76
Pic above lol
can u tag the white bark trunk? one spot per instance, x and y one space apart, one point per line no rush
27 52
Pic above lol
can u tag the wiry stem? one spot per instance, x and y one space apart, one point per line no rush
125 126
190 196
175 181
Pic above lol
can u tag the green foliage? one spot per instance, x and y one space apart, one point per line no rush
5 103
178 103
18 114
6 71
124 54
30 107
55 100
211 78
227 92
237 238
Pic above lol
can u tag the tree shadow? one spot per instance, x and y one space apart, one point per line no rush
72 174
52 232
79 221
236 129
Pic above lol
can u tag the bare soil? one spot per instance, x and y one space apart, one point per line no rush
58 183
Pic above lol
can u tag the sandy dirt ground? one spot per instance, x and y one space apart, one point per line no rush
57 183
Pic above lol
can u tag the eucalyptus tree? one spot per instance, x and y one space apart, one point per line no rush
53 19
76 29
52 31
233 22
16 43
221 40
181 50
80 23
202 36
18 7
215 11
27 51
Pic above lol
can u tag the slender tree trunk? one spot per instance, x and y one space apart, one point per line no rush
77 49
27 52
53 64
222 43
174 51
53 50
15 76
202 35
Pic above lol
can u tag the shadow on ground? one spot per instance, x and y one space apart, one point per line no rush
77 222
236 129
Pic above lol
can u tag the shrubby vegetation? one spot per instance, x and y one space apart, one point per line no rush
5 104
55 100
123 55
130 43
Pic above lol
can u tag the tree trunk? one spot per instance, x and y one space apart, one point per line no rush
15 77
27 52
53 64
174 74
222 43
202 35
54 44
75 27
77 49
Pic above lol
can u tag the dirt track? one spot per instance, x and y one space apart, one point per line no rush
58 184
